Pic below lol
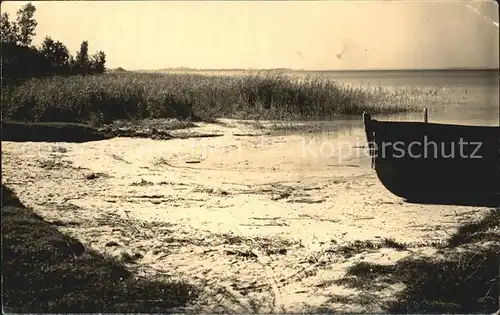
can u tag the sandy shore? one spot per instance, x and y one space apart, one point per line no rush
255 219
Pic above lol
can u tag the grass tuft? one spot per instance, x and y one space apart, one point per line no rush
356 247
47 271
463 280
486 229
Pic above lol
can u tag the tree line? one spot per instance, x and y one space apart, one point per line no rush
22 60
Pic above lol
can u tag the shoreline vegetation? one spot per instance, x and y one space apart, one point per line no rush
98 100
111 96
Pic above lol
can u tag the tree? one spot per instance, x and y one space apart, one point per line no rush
21 32
8 30
56 54
26 24
82 58
98 62
21 60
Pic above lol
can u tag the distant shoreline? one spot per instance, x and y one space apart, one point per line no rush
326 70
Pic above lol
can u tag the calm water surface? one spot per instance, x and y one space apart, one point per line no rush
475 93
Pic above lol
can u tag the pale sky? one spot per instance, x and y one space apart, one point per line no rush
315 35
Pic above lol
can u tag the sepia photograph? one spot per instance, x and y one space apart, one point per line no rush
250 156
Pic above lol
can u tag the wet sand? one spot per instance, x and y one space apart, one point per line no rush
254 218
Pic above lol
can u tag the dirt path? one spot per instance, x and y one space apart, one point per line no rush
257 220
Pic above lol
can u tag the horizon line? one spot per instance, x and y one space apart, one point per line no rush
314 70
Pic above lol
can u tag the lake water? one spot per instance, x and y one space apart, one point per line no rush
475 94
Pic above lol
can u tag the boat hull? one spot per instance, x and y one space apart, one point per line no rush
436 163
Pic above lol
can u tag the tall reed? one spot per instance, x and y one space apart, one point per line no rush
192 96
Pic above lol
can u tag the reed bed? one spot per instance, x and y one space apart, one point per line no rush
134 95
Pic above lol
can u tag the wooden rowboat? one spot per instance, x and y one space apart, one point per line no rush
426 162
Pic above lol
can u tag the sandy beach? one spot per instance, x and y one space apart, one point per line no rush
254 218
